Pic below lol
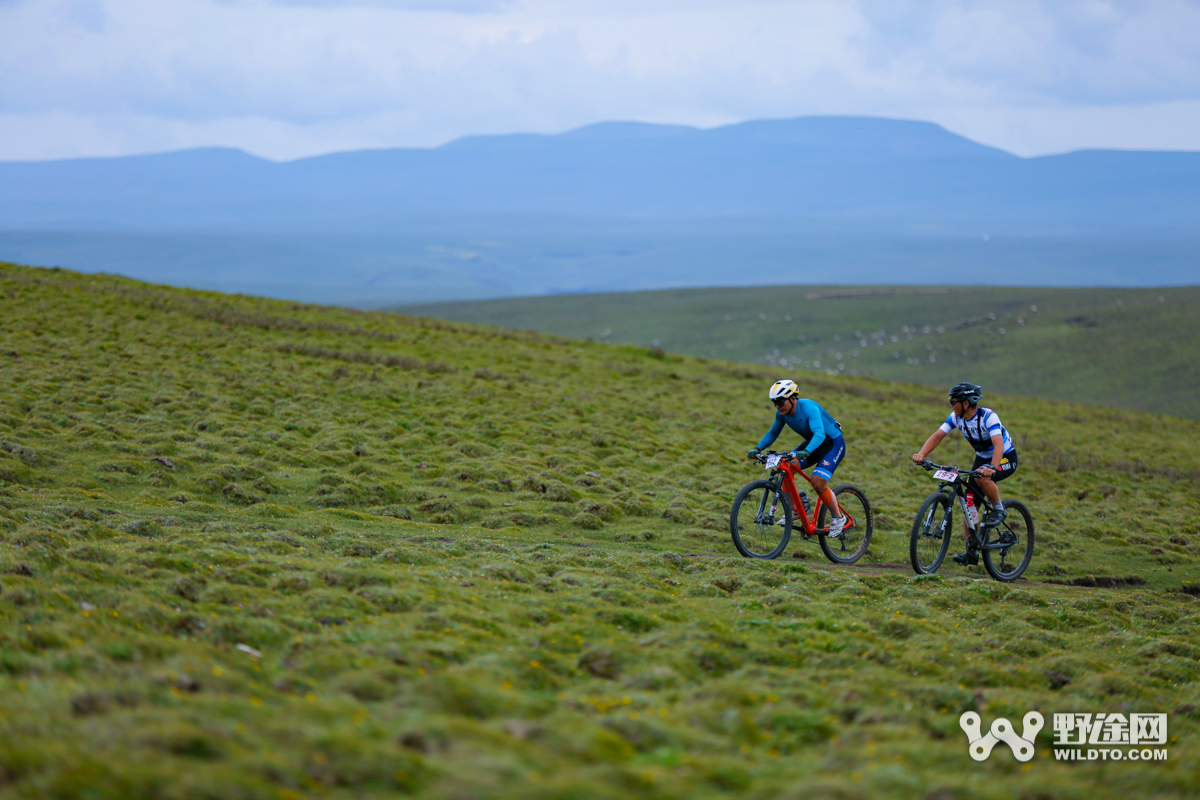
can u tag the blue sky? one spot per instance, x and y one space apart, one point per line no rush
290 78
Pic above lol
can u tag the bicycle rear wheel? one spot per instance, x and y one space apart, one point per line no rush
1016 533
856 536
931 533
757 509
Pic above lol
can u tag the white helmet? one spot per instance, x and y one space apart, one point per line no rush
782 390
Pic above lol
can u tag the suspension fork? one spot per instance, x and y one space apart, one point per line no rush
773 490
762 504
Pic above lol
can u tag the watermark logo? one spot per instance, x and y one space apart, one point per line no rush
1137 729
981 744
1133 737
1137 732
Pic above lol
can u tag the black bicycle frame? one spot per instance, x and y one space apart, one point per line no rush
957 488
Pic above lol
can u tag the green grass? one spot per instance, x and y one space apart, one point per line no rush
257 549
1130 348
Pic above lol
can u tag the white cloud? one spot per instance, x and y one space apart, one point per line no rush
1040 131
294 77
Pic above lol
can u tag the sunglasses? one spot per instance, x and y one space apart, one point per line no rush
780 401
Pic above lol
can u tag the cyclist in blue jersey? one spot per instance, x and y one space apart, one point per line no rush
823 443
995 453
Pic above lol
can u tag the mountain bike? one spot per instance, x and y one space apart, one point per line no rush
1006 548
764 514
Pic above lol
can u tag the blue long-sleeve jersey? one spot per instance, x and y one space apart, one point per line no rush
812 422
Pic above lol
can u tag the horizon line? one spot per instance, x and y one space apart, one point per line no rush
469 136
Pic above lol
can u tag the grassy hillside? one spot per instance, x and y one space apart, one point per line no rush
257 549
1130 348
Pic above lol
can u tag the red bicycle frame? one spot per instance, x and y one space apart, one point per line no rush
807 527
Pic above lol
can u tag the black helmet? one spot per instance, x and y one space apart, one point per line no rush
966 391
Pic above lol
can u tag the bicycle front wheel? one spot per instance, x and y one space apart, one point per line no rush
1016 534
856 536
754 521
931 533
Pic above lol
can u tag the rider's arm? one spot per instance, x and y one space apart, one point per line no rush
933 441
772 435
997 451
812 414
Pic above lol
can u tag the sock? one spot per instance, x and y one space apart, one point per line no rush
831 502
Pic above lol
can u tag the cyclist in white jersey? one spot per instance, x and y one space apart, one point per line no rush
995 453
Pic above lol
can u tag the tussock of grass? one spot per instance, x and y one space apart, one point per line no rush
257 549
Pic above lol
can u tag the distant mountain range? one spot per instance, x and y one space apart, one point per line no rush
615 206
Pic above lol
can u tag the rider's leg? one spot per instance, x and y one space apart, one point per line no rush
992 491
969 556
1008 465
989 488
826 495
967 529
824 461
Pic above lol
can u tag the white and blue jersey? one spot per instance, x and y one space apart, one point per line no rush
979 430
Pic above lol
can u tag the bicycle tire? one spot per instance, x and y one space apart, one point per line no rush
924 556
996 564
756 540
849 547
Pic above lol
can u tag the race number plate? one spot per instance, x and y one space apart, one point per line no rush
773 461
945 475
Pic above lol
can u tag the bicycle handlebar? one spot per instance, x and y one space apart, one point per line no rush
761 458
930 467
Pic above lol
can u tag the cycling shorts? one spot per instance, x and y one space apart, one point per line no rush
1008 465
826 457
